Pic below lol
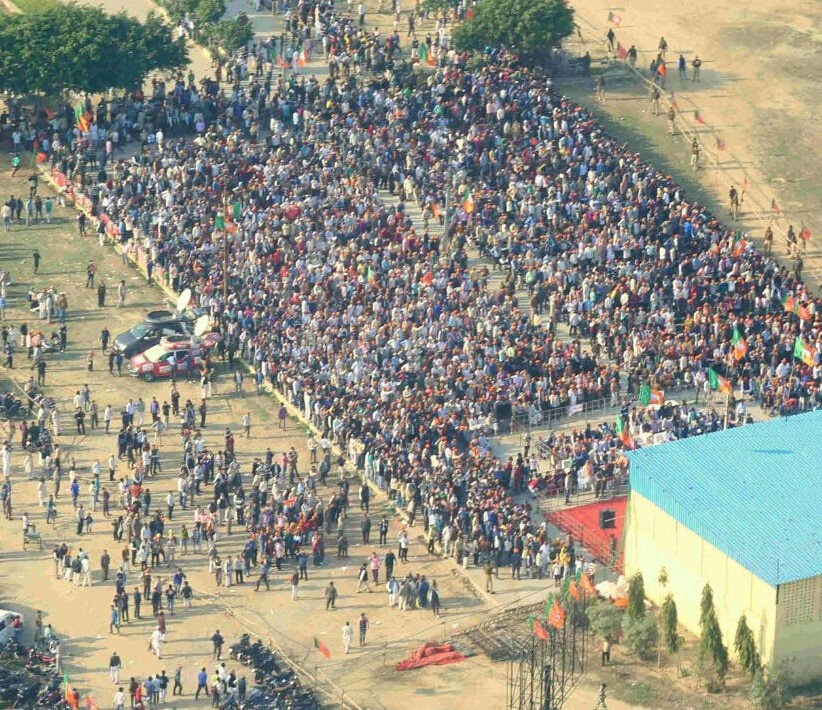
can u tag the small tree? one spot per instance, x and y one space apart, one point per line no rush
606 620
769 691
745 647
636 597
713 654
669 622
529 28
641 636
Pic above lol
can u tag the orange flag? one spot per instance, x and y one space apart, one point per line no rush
573 589
556 617
585 583
540 631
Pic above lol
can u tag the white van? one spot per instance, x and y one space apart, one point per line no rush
6 629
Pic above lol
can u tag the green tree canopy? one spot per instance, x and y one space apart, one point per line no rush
636 597
83 49
529 28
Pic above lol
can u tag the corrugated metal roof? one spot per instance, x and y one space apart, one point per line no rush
753 492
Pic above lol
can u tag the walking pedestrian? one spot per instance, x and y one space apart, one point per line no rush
114 666
217 640
330 596
601 698
347 635
363 623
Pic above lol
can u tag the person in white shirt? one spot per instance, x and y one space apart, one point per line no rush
347 635
119 699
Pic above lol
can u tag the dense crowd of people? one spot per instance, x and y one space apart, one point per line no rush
394 347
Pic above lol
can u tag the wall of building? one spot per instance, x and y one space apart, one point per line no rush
799 629
653 539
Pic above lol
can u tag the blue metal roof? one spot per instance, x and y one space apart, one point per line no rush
752 492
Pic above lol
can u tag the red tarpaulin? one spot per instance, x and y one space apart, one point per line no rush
431 654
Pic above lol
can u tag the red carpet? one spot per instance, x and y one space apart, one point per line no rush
582 522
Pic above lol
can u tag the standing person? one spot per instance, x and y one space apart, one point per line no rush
295 584
115 620
671 120
695 154
697 65
217 640
155 643
599 83
247 424
606 651
178 681
683 72
347 636
363 623
434 597
121 294
202 683
119 699
362 579
383 531
114 666
282 415
330 596
36 258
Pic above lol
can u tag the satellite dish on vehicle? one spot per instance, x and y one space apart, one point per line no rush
201 326
183 300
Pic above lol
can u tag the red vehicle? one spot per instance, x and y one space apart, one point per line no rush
172 354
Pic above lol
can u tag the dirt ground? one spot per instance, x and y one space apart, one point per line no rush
757 94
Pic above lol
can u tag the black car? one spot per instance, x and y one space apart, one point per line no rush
157 325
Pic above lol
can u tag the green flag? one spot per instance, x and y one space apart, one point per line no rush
798 348
423 52
645 395
237 210
219 221
718 382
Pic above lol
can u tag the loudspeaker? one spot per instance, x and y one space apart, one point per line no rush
607 519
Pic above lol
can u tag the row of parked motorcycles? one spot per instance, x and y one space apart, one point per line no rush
29 678
277 687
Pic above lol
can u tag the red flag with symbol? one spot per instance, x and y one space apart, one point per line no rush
622 53
556 617
699 118
614 19
322 648
573 590
540 631
585 583
804 232
720 144
774 206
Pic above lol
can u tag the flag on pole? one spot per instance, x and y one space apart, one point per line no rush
720 144
432 60
616 20
699 118
219 221
90 704
718 382
648 396
539 630
556 617
622 53
423 52
282 63
302 58
573 590
774 206
468 202
804 232
585 584
322 648
804 352
662 69
674 103
789 303
623 434
740 345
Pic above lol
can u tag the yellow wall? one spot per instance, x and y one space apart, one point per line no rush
653 539
790 632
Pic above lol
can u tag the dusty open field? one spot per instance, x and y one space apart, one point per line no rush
758 94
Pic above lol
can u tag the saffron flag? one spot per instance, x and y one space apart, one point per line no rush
539 630
699 118
774 206
674 104
789 303
621 51
803 312
282 63
468 202
585 583
90 704
435 210
648 396
322 648
432 60
428 278
720 144
744 183
614 19
718 382
623 434
662 69
302 58
740 345
573 590
556 617
804 352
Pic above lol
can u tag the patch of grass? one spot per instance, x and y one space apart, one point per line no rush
32 6
640 694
